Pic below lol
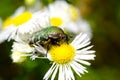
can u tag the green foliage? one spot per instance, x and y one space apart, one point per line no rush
46 2
7 7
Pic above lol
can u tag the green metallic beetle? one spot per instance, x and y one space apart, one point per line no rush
46 37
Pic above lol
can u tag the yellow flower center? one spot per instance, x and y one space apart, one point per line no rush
62 54
20 19
56 21
74 13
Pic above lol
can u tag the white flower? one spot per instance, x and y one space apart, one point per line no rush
25 23
4 31
68 18
66 58
71 57
64 11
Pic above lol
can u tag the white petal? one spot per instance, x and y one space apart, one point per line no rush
85 27
85 57
78 68
68 72
71 74
22 47
55 72
56 11
80 39
81 45
17 56
71 27
7 34
49 72
78 72
85 52
76 39
82 61
86 40
38 21
61 73
67 77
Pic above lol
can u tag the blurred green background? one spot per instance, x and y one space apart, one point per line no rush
104 18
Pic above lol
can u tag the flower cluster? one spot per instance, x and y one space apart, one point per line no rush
67 55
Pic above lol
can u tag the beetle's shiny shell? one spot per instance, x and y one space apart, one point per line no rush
49 35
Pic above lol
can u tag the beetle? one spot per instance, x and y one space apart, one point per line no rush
47 37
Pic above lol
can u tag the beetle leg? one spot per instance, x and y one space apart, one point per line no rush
35 51
57 43
48 46
39 49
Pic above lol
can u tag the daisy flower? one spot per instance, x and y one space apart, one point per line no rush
25 23
61 11
70 58
68 18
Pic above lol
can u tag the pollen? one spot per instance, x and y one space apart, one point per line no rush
62 54
56 21
74 13
22 18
